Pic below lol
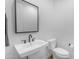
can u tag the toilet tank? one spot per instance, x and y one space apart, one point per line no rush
51 43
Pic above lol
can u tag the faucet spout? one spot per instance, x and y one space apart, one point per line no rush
30 36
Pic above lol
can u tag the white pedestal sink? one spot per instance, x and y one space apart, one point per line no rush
30 48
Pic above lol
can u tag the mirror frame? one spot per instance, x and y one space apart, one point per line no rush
37 18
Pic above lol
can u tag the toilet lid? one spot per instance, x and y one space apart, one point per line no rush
61 51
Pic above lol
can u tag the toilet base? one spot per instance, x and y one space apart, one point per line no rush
58 57
61 58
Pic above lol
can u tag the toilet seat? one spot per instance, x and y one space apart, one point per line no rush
61 52
66 56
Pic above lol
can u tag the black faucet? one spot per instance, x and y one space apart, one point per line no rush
30 36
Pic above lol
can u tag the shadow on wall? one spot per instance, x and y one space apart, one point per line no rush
6 35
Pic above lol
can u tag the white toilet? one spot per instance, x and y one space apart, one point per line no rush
58 53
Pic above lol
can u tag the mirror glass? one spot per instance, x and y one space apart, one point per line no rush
26 17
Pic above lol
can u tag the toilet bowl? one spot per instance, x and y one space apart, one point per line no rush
61 53
58 53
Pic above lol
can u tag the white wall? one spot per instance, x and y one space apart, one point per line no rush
56 20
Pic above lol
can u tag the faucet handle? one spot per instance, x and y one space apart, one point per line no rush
24 41
33 39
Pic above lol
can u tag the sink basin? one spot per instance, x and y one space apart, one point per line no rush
30 48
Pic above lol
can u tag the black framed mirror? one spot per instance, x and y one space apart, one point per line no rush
26 17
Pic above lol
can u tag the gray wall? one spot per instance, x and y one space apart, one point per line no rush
56 21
